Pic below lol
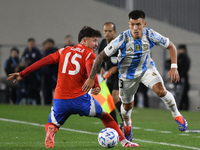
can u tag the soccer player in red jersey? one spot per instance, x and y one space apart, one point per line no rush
75 64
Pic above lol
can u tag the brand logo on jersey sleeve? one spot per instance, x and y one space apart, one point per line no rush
154 74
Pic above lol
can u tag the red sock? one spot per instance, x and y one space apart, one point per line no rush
108 121
49 123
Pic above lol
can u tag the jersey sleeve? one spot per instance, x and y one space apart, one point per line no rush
56 55
90 59
158 39
114 45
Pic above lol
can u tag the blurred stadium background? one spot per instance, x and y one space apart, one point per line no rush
42 19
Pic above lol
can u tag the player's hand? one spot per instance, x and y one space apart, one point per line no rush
89 83
173 73
102 71
95 91
15 76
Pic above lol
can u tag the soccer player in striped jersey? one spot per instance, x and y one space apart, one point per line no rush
135 65
75 64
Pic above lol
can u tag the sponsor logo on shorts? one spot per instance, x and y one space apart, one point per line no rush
154 74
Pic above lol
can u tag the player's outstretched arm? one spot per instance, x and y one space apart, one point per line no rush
173 72
38 64
16 76
89 83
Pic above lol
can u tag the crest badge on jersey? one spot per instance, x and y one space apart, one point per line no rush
145 47
137 47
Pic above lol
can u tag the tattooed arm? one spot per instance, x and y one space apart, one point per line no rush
97 64
89 83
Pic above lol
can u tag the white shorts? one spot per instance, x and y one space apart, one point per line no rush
128 87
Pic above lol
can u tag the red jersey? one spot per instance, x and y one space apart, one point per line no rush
72 72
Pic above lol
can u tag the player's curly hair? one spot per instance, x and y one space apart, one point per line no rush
87 31
135 14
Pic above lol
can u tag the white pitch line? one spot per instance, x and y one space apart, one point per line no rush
184 134
136 128
80 131
149 130
165 131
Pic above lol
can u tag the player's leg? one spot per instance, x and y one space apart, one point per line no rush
126 110
91 107
167 98
170 102
58 115
153 80
108 121
127 89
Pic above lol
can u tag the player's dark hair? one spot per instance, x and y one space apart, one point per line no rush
135 14
87 31
14 49
114 26
31 40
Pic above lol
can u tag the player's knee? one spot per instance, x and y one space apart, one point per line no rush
127 107
159 89
161 92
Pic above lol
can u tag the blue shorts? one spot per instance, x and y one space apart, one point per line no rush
84 105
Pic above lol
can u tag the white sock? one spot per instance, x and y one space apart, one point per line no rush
126 115
170 102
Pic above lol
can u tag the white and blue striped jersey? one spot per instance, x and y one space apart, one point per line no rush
134 54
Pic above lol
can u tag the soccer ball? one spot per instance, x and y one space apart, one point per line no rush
108 137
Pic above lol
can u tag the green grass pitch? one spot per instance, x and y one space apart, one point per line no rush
153 129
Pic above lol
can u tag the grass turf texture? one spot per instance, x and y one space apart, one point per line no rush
19 136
